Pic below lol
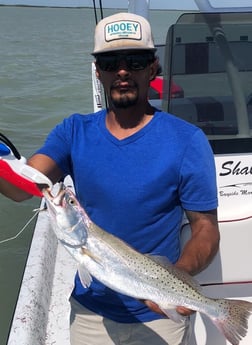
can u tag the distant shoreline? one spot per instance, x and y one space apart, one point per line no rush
59 6
44 6
81 7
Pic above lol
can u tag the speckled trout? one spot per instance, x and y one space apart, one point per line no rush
123 269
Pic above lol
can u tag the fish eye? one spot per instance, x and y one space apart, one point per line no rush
71 201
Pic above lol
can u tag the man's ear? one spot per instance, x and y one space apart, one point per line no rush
155 67
97 71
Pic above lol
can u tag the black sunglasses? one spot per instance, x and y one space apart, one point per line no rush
134 62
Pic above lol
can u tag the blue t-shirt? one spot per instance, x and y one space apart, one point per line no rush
135 188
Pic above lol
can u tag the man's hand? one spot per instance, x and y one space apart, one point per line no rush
181 310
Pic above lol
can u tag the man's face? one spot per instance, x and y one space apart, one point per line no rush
125 77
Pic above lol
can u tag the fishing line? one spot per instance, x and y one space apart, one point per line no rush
37 210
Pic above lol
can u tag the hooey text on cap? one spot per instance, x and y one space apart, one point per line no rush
123 29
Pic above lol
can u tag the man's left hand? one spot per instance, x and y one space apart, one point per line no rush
181 310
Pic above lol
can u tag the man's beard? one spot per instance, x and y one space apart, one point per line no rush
124 102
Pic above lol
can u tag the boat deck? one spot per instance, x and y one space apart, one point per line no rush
42 312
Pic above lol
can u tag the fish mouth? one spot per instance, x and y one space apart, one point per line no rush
56 199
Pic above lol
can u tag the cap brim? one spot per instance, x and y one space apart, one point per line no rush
122 49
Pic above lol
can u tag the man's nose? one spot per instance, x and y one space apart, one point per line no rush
122 67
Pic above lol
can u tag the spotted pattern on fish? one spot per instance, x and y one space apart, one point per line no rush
123 269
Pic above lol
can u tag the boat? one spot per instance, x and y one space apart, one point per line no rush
207 56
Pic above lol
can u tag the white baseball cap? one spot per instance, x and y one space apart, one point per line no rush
123 31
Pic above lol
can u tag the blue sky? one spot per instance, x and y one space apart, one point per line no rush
175 4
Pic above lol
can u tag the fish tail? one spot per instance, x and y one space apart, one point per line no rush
233 319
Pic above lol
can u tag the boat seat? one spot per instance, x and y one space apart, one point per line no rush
214 115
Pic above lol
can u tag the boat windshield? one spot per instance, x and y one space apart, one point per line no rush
209 57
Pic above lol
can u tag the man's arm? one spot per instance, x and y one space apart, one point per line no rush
199 250
42 163
203 244
12 192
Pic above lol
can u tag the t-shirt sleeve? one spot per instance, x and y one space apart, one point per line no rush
57 145
198 190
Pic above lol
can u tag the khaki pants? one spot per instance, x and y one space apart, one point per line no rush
88 328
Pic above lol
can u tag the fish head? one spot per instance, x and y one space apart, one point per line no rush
66 216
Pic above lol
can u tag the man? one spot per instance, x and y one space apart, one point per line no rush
136 170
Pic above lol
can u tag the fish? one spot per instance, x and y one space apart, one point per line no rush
120 267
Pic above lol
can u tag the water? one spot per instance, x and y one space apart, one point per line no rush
45 66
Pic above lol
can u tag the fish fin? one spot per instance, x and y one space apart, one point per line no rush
87 252
161 260
180 274
233 321
171 313
85 277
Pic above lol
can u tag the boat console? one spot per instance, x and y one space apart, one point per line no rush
209 57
